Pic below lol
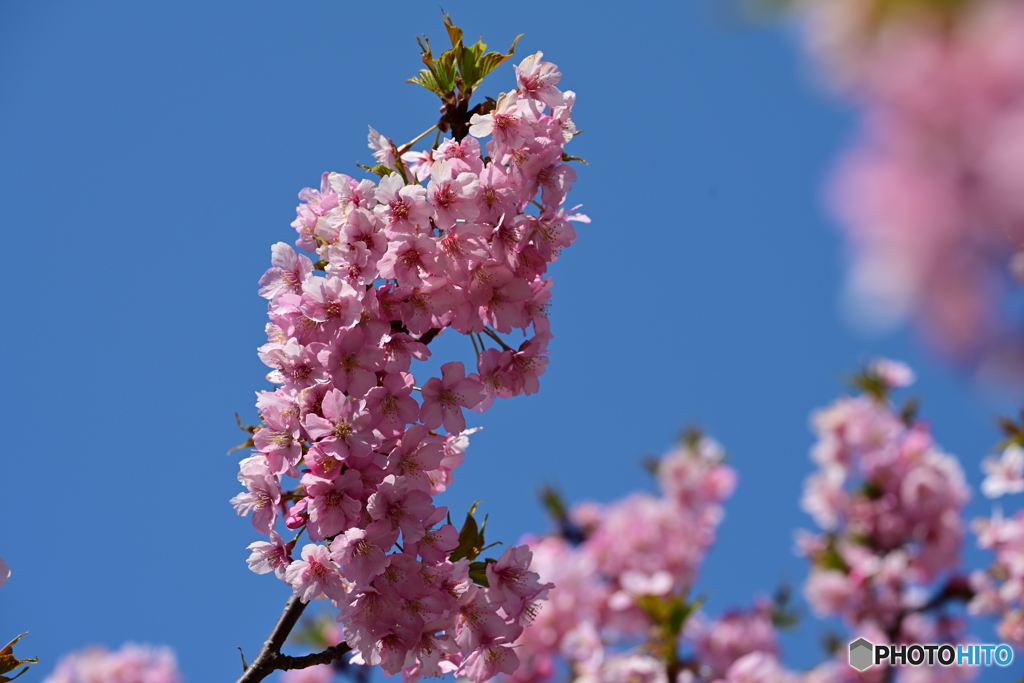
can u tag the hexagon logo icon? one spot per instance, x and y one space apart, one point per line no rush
860 654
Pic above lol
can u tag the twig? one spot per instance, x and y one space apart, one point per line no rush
270 658
266 660
494 335
329 655
407 146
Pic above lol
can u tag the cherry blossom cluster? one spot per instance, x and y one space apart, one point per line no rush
886 560
889 503
130 664
999 590
625 569
931 195
349 451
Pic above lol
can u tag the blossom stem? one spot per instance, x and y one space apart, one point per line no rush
476 348
407 146
493 335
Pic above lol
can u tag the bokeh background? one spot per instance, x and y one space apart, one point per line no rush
150 154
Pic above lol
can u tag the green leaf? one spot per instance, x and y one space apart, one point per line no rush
445 70
248 443
379 169
830 558
654 607
478 571
872 384
784 615
427 80
439 76
8 662
454 32
252 429
684 611
832 643
471 538
691 437
908 413
678 612
460 67
552 500
6 679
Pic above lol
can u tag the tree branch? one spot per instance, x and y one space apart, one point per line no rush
326 657
270 658
265 662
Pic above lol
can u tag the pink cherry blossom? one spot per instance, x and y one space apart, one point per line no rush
928 195
409 258
343 430
334 505
444 398
404 207
319 673
453 196
289 271
537 80
396 506
505 124
361 553
270 557
512 577
1004 474
131 664
264 494
316 575
345 453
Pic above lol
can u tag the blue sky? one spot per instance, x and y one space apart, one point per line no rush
150 154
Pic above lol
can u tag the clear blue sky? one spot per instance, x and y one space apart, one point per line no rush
150 154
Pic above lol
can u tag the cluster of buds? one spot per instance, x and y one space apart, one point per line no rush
346 453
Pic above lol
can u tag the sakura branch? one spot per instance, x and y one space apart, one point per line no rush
890 505
999 589
886 561
347 455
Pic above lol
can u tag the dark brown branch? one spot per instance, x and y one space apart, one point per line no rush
270 658
429 335
456 115
329 655
265 662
